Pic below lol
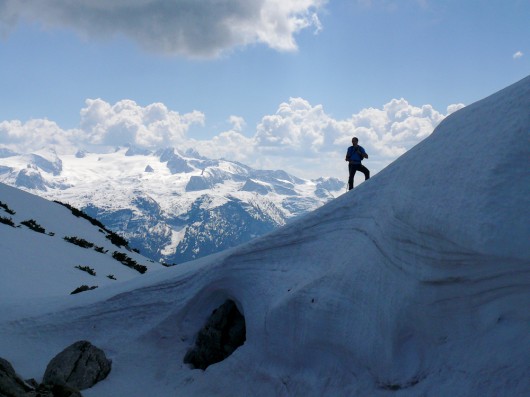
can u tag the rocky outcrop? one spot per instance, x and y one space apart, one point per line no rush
197 183
54 391
175 163
223 333
253 186
81 365
11 385
30 178
53 165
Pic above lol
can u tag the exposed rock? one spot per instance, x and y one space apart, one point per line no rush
32 383
223 333
238 220
54 165
136 151
197 183
175 162
329 183
80 366
30 178
55 391
11 385
285 190
253 186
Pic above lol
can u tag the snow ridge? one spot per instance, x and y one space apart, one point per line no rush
49 250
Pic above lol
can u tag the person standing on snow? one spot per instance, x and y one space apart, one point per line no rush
354 156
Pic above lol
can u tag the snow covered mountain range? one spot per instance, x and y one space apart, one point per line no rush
172 206
416 283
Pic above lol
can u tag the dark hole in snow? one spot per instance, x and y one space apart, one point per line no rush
222 334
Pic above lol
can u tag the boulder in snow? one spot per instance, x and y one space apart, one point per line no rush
81 365
10 383
223 333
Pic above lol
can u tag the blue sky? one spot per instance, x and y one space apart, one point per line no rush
271 83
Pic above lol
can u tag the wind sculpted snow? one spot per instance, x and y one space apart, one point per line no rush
417 283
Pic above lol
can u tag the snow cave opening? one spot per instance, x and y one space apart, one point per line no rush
222 334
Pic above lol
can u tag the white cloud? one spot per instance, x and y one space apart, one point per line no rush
35 135
231 145
238 123
303 139
296 127
390 131
203 28
299 138
127 122
453 108
518 54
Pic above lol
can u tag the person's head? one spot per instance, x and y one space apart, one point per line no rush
355 141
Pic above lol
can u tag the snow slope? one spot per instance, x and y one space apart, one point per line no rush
38 265
416 283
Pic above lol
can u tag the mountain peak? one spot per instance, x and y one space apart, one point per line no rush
136 151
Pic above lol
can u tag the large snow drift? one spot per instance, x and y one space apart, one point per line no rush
415 283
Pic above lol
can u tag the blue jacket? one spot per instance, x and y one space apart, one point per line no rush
353 154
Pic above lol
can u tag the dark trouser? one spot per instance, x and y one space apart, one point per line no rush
354 167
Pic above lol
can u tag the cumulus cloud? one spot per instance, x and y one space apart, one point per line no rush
303 137
394 128
231 145
295 125
36 134
103 125
518 54
301 129
300 137
190 28
150 127
454 107
238 123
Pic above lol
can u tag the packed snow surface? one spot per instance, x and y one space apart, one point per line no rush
415 283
